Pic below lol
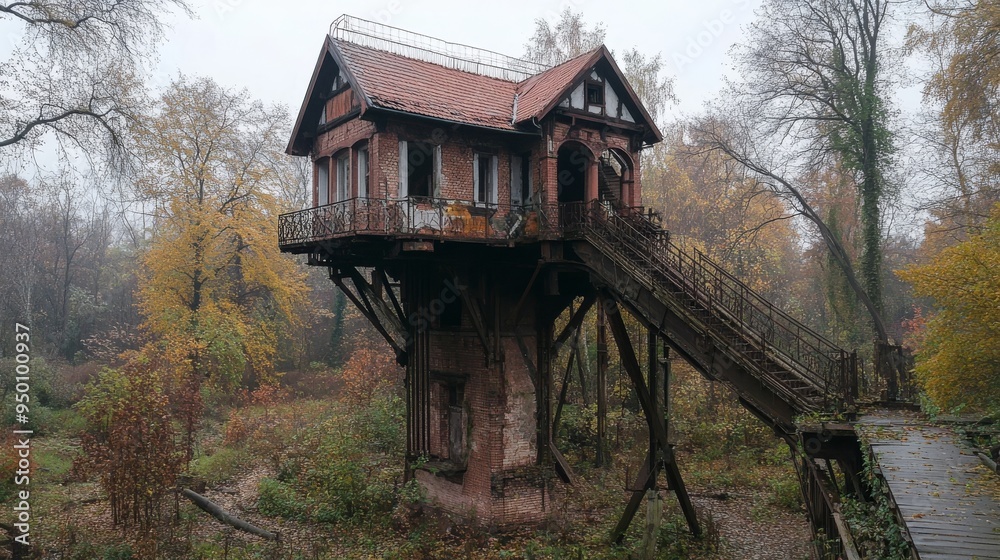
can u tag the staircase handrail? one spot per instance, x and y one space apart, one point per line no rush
817 359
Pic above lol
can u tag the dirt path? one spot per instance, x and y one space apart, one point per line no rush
750 531
747 529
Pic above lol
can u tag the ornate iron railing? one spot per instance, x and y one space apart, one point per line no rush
730 306
417 217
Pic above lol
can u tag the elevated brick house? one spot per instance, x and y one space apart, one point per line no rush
451 170
496 134
464 201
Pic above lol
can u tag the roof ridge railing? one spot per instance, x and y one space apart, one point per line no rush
457 56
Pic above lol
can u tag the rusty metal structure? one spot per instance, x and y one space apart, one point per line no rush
464 201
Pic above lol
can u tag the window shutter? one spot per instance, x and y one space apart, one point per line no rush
347 177
438 172
362 172
475 178
531 184
402 169
515 181
323 182
493 194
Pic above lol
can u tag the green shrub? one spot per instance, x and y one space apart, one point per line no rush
785 492
220 466
344 469
351 474
280 499
118 552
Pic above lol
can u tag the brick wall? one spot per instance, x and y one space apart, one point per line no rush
501 483
458 148
519 428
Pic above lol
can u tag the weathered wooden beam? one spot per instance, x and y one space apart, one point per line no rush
575 320
544 392
224 516
581 364
524 295
376 304
602 384
652 369
562 393
563 469
677 485
479 323
644 481
368 314
659 442
630 364
392 295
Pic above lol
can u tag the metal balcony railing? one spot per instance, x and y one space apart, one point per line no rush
417 217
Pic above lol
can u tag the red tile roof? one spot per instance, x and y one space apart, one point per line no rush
392 81
538 91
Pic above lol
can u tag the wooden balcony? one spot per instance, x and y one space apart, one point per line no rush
417 219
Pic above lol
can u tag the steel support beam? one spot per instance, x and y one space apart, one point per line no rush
661 453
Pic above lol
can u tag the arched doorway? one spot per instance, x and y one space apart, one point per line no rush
614 178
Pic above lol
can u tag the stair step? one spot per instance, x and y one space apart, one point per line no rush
717 303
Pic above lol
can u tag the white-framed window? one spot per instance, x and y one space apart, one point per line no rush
322 182
363 172
343 175
484 174
419 169
520 179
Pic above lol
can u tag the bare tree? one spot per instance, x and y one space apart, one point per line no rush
552 45
813 94
19 232
77 72
959 136
570 37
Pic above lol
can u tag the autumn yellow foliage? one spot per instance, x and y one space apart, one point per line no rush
707 204
216 293
959 363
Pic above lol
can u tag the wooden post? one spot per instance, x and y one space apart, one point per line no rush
653 371
591 182
657 426
665 366
544 386
602 385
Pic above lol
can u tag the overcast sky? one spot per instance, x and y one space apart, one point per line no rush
270 48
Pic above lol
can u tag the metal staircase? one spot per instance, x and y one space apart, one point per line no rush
777 366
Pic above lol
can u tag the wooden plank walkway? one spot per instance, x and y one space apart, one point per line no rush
949 501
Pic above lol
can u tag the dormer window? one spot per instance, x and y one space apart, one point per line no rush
338 82
595 94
